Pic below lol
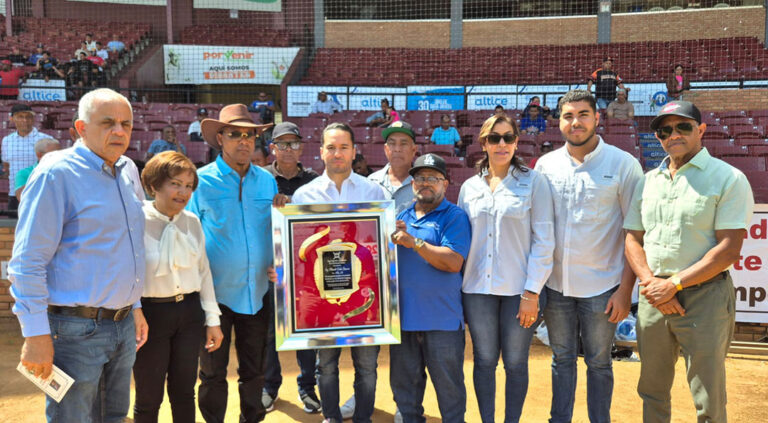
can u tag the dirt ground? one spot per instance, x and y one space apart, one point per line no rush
21 402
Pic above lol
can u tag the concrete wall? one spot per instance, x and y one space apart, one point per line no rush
722 100
367 34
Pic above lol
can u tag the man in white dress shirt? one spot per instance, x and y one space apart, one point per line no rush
338 184
18 148
590 289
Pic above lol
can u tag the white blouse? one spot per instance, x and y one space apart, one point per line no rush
512 233
176 259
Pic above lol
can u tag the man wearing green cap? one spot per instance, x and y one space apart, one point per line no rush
685 228
400 148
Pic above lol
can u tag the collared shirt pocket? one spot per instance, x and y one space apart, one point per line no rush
700 212
600 197
478 204
514 203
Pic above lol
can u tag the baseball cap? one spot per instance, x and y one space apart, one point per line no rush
19 108
202 111
399 126
685 109
429 161
285 128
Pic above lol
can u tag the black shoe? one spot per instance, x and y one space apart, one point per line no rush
268 401
310 401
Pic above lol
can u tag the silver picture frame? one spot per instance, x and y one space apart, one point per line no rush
363 307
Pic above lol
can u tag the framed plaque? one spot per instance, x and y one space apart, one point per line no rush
337 275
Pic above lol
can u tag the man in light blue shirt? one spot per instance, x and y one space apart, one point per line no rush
445 134
78 265
233 201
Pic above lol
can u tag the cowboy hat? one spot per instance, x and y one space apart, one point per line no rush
232 115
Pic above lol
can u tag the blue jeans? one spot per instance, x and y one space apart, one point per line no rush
364 361
496 331
442 353
89 350
567 318
602 103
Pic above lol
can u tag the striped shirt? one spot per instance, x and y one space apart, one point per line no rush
19 152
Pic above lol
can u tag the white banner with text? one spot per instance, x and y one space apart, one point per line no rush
189 64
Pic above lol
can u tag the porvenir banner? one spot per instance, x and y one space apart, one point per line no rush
749 273
134 2
188 64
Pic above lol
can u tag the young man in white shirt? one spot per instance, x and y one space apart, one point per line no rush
338 184
590 288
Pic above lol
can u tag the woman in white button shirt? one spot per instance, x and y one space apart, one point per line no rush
510 258
178 299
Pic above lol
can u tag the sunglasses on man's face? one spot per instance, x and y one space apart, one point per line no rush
508 138
282 146
682 128
239 134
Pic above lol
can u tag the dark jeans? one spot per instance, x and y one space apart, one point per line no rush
92 351
250 346
442 353
176 332
496 331
364 361
306 359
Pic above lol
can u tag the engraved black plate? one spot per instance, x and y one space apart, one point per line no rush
337 270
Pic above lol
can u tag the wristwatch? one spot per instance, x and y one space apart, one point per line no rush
676 280
419 243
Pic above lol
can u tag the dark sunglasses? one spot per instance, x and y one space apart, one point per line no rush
238 134
282 146
682 128
508 138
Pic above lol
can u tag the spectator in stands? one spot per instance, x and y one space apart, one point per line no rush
287 147
90 43
18 148
395 177
390 116
535 101
533 122
377 118
260 156
194 131
677 83
445 134
10 78
499 109
78 277
42 147
264 107
102 52
606 81
168 142
84 71
432 237
545 148
505 275
621 108
554 115
360 166
325 105
16 58
115 45
97 71
682 254
83 47
47 67
36 55
178 301
339 184
238 241
590 292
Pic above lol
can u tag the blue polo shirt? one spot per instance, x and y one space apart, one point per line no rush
430 299
237 223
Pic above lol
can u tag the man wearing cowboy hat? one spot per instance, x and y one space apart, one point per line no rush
233 201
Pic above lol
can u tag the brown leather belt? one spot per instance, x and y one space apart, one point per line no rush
175 299
85 312
721 275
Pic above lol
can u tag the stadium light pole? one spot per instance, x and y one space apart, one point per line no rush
457 29
8 18
169 21
319 24
604 22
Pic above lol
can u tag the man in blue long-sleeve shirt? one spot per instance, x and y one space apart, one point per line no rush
233 201
78 268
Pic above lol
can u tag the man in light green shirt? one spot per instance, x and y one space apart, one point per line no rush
42 147
685 228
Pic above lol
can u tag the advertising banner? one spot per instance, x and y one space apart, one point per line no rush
369 98
258 5
435 98
302 97
39 90
749 273
189 64
134 2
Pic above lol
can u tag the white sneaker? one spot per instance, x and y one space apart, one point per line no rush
398 417
348 409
